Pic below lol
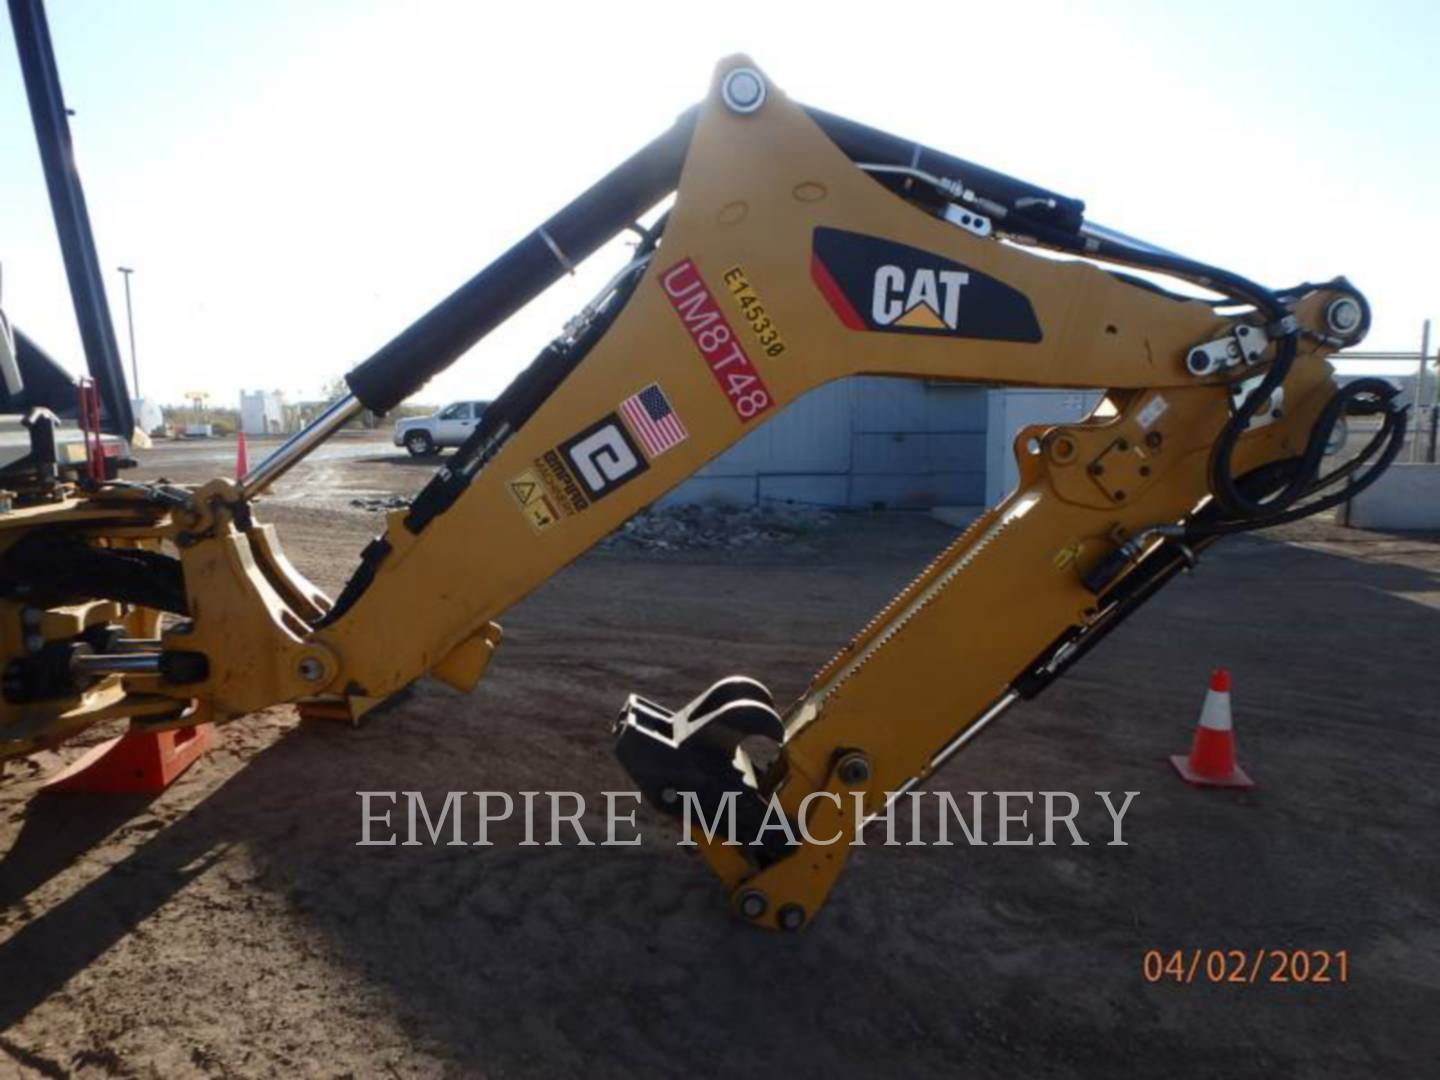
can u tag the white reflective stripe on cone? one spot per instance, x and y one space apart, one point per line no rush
1215 714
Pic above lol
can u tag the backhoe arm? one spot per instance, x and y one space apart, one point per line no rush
782 266
800 249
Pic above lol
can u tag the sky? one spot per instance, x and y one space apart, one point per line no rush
295 181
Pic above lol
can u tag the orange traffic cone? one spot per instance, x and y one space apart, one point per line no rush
1212 757
242 463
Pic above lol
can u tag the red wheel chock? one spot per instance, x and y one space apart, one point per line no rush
139 762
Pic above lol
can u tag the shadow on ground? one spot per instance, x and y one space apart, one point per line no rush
570 960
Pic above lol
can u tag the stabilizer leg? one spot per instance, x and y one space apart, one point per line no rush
136 763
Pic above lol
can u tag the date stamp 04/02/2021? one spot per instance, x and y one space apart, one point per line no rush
1248 967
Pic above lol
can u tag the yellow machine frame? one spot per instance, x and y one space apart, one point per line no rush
923 676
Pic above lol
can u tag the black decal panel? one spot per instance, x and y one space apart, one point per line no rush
603 457
879 285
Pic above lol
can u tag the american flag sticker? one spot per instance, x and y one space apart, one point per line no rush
653 420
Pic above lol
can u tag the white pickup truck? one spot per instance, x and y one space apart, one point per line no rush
449 426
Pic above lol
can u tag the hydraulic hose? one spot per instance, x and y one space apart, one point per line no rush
1241 511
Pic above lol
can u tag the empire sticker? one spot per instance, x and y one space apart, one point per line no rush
561 486
603 457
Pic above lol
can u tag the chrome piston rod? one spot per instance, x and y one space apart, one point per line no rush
946 752
294 449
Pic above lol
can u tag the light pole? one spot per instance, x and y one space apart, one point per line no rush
130 323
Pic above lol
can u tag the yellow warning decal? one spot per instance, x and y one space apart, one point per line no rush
534 503
1067 555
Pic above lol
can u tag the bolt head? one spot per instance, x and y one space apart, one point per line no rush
743 90
1343 316
752 904
790 918
854 769
311 669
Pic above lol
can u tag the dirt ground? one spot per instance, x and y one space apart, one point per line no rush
232 927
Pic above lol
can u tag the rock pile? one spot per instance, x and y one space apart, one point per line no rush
685 528
381 502
709 528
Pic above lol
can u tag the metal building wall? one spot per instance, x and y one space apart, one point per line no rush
1011 410
865 442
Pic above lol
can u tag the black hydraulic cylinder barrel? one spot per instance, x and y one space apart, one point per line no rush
439 337
869 145
72 221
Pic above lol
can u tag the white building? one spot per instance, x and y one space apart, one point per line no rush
873 442
262 412
148 417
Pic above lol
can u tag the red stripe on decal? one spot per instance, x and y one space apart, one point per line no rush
820 274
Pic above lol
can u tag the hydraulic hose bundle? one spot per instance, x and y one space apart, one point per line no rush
1057 222
1279 501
